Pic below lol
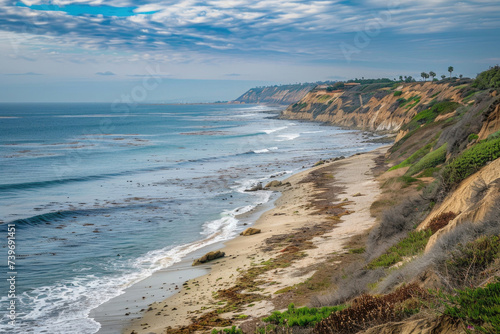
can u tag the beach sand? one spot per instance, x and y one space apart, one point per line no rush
327 205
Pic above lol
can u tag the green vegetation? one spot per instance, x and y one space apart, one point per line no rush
478 308
429 115
488 79
415 156
303 316
470 161
450 69
232 330
431 159
357 250
398 93
472 137
413 244
299 106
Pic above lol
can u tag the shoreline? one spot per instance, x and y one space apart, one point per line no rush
351 189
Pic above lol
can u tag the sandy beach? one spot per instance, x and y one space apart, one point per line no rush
315 218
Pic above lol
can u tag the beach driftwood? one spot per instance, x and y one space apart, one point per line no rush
209 257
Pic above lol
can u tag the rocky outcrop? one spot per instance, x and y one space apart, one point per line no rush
281 95
209 257
250 231
256 187
273 184
370 107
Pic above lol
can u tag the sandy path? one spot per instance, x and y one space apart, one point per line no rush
291 212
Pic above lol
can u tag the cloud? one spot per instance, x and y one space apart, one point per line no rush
105 73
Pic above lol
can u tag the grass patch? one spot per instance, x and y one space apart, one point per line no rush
429 115
360 250
470 161
416 156
413 244
304 316
431 159
398 93
429 172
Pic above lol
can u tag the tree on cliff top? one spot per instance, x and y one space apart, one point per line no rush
450 69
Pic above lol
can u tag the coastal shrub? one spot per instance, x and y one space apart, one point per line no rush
478 308
431 159
472 137
488 79
466 263
441 221
368 311
398 93
303 317
470 161
396 223
413 244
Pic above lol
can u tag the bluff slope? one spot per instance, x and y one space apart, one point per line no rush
374 107
282 95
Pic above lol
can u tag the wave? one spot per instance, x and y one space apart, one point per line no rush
65 307
265 150
290 136
275 129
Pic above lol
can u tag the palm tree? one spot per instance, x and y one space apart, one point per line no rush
450 69
432 74
443 77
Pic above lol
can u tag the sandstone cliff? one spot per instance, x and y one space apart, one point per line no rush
375 107
281 95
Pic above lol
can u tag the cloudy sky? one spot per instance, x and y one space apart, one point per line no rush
188 50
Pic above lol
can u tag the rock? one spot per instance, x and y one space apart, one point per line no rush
273 184
357 195
319 163
250 231
258 186
288 184
209 257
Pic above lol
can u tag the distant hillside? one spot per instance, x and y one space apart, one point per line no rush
283 95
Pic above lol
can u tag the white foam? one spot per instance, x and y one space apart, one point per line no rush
290 136
313 131
275 129
265 150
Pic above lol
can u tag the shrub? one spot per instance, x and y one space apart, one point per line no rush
413 244
466 263
398 93
367 311
302 317
441 221
470 161
478 308
431 159
488 79
472 137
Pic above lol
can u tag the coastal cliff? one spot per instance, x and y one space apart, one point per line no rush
280 95
374 107
404 239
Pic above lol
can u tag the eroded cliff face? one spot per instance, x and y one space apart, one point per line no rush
369 107
281 95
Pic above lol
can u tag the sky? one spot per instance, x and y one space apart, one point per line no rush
202 51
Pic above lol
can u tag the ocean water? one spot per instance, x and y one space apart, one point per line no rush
102 196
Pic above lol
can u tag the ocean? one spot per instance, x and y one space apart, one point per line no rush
102 196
